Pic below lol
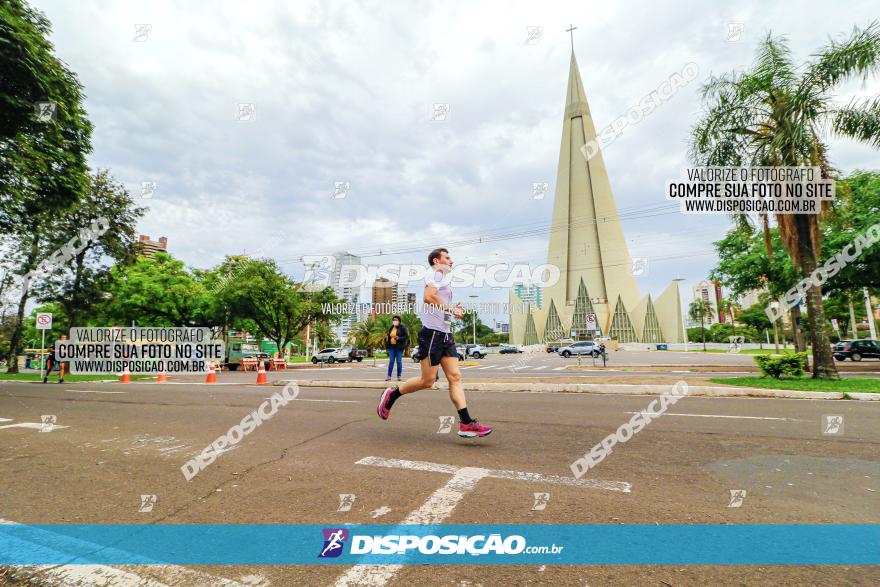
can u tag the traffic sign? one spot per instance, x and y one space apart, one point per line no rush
591 322
44 321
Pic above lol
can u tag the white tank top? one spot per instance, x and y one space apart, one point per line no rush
434 317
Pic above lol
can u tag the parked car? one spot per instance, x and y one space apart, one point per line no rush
355 354
331 356
584 347
553 347
507 349
470 351
857 350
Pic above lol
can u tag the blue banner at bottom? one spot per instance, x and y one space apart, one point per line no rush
457 544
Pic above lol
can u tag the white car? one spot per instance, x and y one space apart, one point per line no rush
331 356
474 351
580 348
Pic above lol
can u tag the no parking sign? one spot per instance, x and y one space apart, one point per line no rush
44 321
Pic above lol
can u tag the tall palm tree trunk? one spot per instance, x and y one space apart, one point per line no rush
823 359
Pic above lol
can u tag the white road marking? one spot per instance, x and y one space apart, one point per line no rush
104 575
33 425
539 368
559 368
441 503
723 416
92 391
336 401
5 419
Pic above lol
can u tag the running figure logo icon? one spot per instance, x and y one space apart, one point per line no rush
737 496
445 424
346 500
541 500
147 503
47 423
334 540
832 424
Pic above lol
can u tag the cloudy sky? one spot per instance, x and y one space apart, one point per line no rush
344 92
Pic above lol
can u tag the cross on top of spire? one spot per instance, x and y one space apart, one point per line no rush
571 32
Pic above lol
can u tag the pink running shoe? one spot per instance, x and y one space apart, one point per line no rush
473 430
383 409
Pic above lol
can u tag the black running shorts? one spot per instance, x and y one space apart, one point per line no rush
435 345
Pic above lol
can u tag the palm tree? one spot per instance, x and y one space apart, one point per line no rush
775 115
731 305
370 334
698 310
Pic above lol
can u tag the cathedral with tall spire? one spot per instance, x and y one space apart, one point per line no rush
597 293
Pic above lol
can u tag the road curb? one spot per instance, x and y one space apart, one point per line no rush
869 397
601 388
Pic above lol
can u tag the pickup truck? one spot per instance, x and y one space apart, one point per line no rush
236 351
355 354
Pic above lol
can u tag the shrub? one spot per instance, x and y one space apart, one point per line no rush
779 365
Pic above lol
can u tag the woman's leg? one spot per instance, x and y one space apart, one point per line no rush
399 362
390 362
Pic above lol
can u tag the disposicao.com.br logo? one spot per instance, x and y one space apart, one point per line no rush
452 544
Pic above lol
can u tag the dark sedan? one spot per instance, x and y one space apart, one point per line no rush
856 350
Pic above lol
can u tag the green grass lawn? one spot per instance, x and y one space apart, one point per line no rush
853 384
67 378
767 351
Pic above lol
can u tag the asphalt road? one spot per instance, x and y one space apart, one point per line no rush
124 441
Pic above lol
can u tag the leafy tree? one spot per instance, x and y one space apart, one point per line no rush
42 161
78 285
773 115
277 306
464 328
156 291
856 209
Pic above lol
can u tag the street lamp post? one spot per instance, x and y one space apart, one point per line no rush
475 320
684 331
774 305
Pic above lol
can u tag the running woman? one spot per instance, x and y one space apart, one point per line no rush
437 349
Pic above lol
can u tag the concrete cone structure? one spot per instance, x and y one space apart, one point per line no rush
261 374
587 244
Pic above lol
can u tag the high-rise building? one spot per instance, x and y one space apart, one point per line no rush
389 297
596 286
148 248
709 292
383 295
341 282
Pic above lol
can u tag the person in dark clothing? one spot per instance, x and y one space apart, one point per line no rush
396 342
52 363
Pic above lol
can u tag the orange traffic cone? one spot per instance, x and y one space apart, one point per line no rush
212 375
126 376
261 375
161 378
